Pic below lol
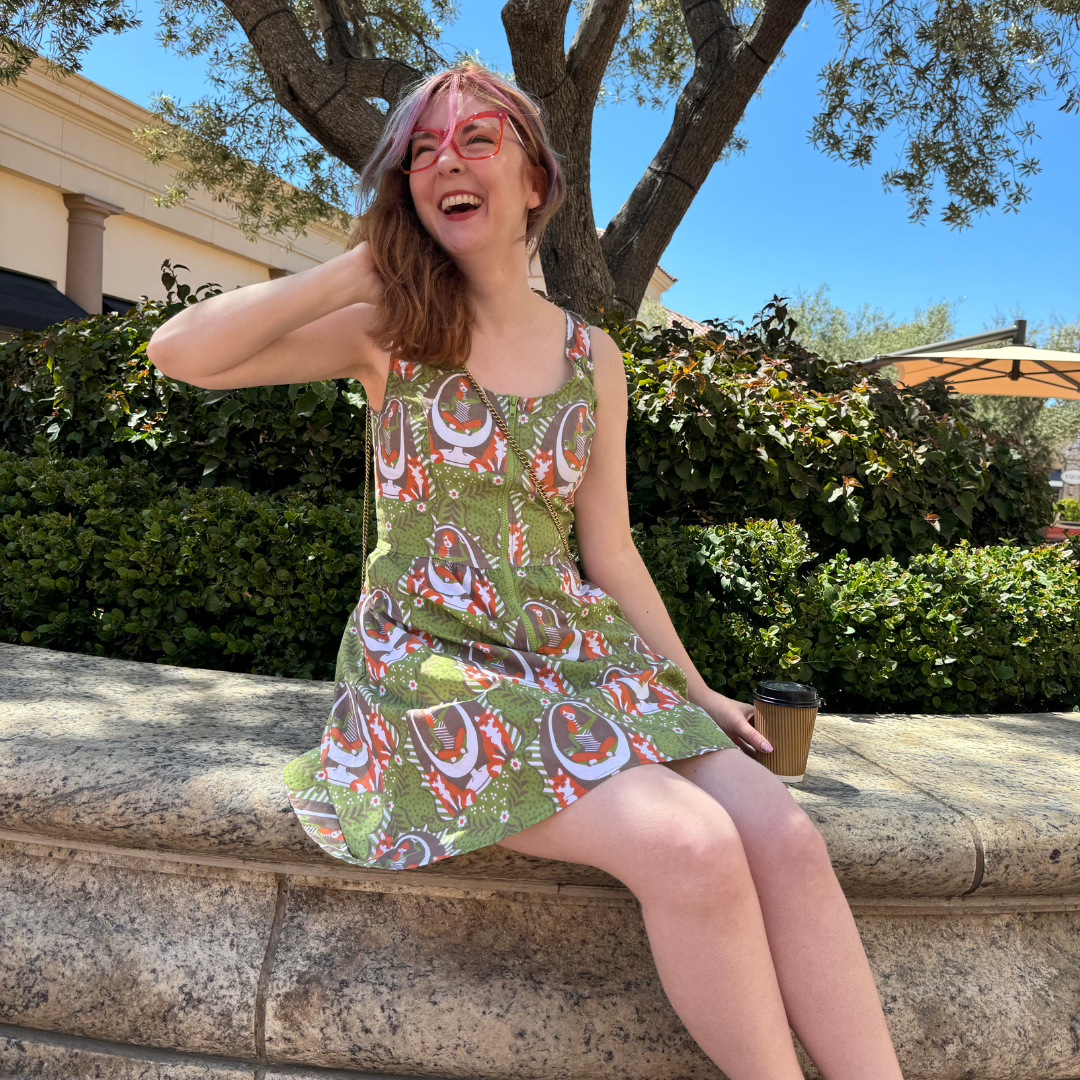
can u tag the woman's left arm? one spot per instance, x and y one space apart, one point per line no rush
609 557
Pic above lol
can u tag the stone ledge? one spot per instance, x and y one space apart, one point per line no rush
318 973
189 761
156 891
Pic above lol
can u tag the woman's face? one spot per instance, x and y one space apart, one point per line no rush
503 189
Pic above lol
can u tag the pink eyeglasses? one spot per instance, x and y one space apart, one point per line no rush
477 136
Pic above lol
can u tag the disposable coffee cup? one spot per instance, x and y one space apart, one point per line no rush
784 712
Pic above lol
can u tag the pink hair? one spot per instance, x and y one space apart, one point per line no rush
424 314
468 79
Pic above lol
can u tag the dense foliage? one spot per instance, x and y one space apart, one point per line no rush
247 557
967 629
119 562
742 423
746 423
88 387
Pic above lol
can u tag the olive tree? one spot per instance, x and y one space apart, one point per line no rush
299 91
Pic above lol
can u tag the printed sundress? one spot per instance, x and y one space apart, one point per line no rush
482 684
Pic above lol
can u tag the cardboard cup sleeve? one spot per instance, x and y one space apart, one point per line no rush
789 731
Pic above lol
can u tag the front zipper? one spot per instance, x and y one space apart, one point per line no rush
512 594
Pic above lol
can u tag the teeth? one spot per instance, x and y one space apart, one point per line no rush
457 200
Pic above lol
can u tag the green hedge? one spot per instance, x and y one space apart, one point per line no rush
118 562
967 629
739 423
746 423
88 389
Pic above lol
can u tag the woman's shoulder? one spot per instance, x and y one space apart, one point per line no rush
606 361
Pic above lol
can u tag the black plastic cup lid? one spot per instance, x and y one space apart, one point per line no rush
794 694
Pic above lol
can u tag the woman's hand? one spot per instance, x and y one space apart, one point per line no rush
733 718
369 282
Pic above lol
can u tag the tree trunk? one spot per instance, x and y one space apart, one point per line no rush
727 71
330 101
614 272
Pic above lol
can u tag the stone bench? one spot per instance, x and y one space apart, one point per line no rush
162 914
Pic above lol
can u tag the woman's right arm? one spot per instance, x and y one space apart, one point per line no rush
302 328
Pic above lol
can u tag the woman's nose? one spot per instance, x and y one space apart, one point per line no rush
448 161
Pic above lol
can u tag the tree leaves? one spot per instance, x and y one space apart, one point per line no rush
954 79
57 31
854 459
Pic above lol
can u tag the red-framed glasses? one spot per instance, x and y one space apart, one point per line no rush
477 136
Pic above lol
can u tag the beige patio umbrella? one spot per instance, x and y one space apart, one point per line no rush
1015 370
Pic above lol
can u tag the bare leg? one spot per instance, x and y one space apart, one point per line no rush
829 994
677 849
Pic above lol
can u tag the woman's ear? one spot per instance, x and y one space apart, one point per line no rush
537 180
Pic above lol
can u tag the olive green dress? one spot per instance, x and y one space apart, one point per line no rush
482 684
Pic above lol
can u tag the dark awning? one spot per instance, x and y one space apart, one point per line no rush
32 303
116 304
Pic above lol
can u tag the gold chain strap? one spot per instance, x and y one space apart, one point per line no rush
501 424
367 475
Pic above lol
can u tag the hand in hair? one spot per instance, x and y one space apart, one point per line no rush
369 282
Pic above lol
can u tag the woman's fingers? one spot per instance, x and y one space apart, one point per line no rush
751 737
735 719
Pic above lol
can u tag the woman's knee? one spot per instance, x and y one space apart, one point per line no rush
776 832
693 856
791 844
651 829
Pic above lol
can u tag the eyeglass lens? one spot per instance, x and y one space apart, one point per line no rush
475 137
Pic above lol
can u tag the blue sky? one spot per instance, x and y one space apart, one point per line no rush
782 216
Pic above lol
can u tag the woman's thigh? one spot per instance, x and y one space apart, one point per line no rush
640 826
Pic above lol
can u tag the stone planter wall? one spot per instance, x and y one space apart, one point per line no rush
163 916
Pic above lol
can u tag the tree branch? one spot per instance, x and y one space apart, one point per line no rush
535 30
570 253
329 100
708 24
335 31
589 52
727 71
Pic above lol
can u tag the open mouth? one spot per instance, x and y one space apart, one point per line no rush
461 203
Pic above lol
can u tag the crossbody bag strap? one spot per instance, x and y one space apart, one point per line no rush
523 458
368 416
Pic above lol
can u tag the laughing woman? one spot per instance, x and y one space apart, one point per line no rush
487 692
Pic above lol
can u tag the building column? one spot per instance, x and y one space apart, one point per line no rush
85 249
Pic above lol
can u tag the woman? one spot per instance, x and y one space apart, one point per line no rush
486 692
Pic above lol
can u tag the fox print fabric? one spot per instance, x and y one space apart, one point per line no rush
482 684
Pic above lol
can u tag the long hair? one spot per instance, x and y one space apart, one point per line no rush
425 314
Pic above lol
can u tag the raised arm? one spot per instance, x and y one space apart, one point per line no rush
608 554
301 328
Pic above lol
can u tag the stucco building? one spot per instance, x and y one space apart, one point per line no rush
77 217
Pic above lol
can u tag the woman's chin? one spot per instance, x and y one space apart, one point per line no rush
462 241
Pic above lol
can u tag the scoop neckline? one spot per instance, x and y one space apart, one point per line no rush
574 364
538 397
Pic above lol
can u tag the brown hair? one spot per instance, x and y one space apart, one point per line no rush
425 314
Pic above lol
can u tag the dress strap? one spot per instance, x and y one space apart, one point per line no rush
578 345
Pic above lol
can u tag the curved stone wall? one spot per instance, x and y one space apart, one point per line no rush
162 914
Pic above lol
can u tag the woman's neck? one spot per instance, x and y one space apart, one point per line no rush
498 290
